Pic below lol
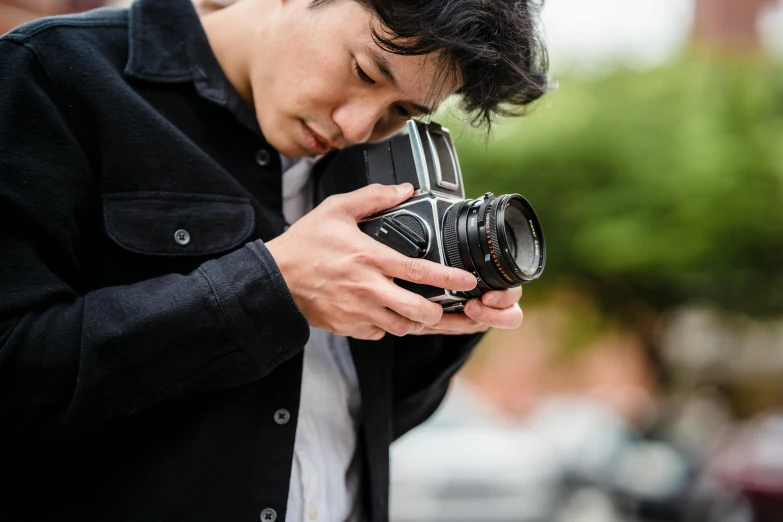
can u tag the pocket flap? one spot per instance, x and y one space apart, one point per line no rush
175 224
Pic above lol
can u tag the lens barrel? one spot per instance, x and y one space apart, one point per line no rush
499 240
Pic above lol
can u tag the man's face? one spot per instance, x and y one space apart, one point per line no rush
319 80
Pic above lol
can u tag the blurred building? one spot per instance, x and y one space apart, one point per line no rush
729 25
17 12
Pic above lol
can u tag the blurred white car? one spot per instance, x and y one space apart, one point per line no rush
449 473
566 463
464 465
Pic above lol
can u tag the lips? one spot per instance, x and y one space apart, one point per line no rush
314 142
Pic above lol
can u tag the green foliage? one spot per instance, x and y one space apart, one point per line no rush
660 187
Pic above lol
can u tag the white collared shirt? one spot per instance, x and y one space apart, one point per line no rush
325 472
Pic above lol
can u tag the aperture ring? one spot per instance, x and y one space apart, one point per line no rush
479 248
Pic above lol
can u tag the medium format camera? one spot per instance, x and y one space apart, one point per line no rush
498 239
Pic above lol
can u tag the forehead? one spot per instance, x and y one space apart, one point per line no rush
424 78
428 78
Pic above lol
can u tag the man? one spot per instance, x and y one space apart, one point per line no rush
169 348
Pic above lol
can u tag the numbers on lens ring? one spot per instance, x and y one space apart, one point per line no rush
492 251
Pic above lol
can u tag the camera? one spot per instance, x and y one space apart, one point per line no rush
498 239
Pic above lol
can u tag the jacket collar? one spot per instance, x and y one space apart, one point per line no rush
167 44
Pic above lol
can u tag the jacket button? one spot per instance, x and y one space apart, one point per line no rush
182 237
268 515
263 158
282 416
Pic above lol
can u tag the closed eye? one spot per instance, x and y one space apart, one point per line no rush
402 112
363 75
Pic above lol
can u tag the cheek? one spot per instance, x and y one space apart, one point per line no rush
315 87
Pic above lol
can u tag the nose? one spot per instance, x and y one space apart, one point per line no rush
357 120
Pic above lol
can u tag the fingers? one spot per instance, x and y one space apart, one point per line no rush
507 318
421 271
411 306
424 272
502 298
455 324
369 333
405 312
394 323
477 317
372 199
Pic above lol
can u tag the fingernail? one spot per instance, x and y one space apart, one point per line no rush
405 188
469 283
473 308
491 300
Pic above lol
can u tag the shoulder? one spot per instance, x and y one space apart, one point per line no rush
73 58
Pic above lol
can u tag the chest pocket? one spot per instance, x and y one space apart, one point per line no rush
177 224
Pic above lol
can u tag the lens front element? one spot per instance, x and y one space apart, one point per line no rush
519 240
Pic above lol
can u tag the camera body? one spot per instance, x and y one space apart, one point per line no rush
499 240
414 228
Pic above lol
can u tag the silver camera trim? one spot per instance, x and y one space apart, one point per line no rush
420 160
434 231
436 162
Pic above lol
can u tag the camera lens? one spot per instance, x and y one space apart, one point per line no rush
521 236
499 240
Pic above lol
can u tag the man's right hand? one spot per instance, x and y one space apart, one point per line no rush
342 280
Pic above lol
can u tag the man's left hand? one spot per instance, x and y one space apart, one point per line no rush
498 309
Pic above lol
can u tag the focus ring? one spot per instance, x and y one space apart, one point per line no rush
451 239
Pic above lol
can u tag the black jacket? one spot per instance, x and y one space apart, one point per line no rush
147 337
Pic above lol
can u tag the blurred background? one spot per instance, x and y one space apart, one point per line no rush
646 383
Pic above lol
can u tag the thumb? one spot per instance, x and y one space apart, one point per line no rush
373 198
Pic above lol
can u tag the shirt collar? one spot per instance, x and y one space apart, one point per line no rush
166 43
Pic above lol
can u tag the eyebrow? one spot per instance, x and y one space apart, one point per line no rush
383 65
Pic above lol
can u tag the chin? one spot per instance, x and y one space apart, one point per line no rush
291 149
297 153
284 143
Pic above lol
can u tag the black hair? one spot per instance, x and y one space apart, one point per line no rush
492 46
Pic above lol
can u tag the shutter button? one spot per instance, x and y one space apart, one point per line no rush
182 237
268 515
263 158
282 416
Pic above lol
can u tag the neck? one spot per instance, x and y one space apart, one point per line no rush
231 33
